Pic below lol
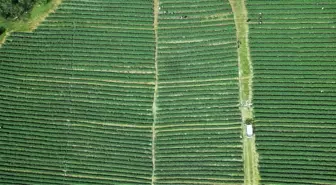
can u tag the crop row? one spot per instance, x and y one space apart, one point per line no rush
77 96
294 100
197 95
76 100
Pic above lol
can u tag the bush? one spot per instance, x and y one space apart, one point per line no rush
2 30
249 121
16 9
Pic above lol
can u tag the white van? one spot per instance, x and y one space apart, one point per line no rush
249 131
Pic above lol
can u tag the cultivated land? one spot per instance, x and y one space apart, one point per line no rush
293 51
76 96
157 92
123 92
198 118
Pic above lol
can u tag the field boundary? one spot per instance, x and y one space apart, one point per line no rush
250 156
154 108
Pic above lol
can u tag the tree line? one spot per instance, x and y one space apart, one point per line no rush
18 9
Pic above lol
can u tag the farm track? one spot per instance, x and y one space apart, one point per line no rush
250 156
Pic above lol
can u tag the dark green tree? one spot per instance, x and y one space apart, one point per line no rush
17 9
2 30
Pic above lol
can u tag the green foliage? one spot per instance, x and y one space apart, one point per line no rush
249 121
18 9
2 30
195 138
22 15
293 54
15 9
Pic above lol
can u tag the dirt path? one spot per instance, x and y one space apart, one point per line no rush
250 155
154 108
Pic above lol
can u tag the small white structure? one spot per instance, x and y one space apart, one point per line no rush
249 131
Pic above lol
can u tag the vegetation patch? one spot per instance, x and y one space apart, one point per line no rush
2 30
249 121
23 15
16 9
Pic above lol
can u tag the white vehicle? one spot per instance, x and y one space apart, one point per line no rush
249 131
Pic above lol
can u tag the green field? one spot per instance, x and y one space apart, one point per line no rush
198 120
293 53
76 97
158 92
99 94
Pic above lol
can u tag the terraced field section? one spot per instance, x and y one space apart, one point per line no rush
76 96
198 120
293 52
123 92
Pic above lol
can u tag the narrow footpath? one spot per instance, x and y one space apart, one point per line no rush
250 156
